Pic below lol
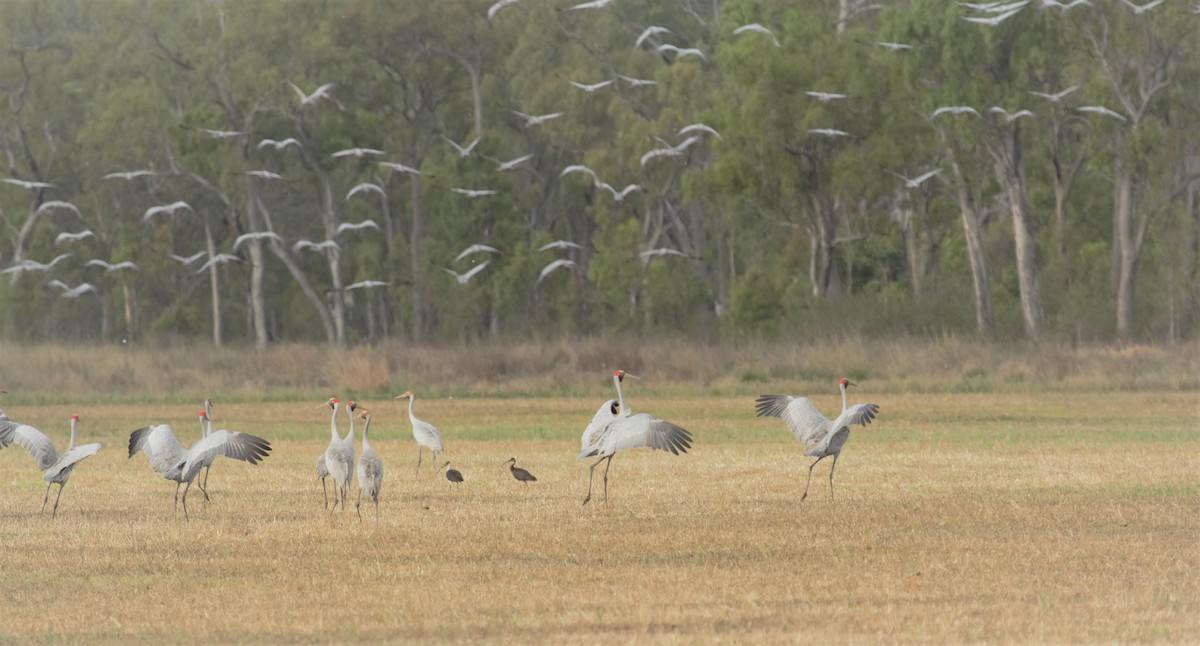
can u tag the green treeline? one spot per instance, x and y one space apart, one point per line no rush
314 170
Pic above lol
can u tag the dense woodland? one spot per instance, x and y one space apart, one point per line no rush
797 179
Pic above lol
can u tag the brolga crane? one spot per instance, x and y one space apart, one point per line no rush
614 428
517 472
820 436
454 476
339 457
170 460
426 434
56 467
322 470
205 429
370 471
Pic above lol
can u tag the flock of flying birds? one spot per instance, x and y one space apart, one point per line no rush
613 428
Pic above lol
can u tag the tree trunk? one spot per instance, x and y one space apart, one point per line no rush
1010 171
985 319
258 304
416 247
214 285
1124 251
333 256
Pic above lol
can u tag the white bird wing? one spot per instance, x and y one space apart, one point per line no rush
474 249
72 457
548 269
355 226
229 444
468 275
806 423
589 442
857 415
32 440
644 430
427 435
160 445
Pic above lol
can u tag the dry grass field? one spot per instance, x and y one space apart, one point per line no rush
960 517
1048 495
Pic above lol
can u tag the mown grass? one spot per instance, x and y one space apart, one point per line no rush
1013 517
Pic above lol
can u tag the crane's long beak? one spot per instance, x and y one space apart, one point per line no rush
632 376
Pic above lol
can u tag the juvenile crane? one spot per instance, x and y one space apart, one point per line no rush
614 428
169 459
56 467
370 471
820 436
339 457
426 434
517 472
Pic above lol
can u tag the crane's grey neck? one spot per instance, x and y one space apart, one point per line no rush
350 414
71 444
333 423
366 429
411 399
620 395
844 400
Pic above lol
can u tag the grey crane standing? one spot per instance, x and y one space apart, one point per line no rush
322 470
56 467
370 471
614 428
169 459
339 458
820 436
426 434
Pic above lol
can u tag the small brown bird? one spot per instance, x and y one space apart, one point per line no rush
453 475
519 473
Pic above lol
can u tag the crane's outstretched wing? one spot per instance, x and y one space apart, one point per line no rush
644 430
807 423
858 415
590 440
69 459
32 440
160 445
839 430
427 436
229 444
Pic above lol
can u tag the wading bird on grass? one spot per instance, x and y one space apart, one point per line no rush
426 434
339 456
370 471
454 476
56 467
614 428
517 472
820 436
169 459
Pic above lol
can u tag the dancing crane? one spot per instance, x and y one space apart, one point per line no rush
426 434
56 467
820 436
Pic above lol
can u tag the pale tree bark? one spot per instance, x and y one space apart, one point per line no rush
258 303
985 318
1066 170
1006 151
416 255
214 286
281 252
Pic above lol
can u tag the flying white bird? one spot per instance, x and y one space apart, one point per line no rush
820 436
221 134
1065 6
355 226
400 168
33 265
56 467
915 182
594 86
649 32
669 150
560 245
278 145
954 109
366 187
1141 9
550 268
619 195
1011 116
58 204
680 52
538 119
27 184
578 168
109 267
169 459
169 209
466 276
129 174
254 236
636 82
188 260
364 284
218 259
662 251
472 192
755 27
699 127
1101 110
597 4
514 163
463 151
426 434
996 7
825 97
357 152
829 132
474 249
264 174
67 236
495 9
1057 96
314 246
994 20
322 92
892 47
73 292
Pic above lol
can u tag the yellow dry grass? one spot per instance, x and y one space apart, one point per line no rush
958 518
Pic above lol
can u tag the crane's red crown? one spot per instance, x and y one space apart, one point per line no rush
74 418
620 374
844 381
333 400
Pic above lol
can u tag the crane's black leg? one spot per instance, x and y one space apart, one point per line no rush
204 485
376 511
325 493
55 514
591 473
185 511
831 468
810 468
358 505
606 466
419 451
177 498
47 497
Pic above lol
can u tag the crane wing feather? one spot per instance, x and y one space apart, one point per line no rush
644 430
230 444
30 439
590 440
806 423
74 456
160 445
427 435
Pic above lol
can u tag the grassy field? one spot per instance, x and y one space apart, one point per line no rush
1013 516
